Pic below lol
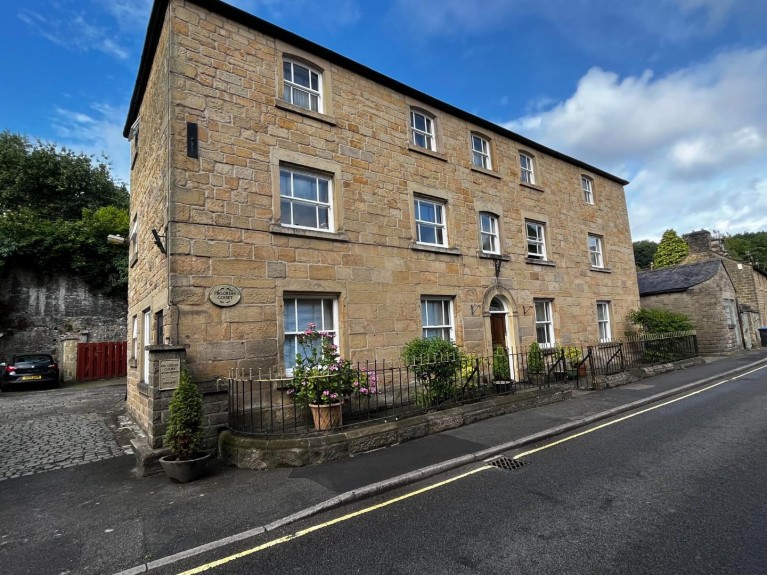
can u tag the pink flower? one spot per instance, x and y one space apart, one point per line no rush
363 390
326 393
333 396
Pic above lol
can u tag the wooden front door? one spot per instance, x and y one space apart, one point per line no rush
498 330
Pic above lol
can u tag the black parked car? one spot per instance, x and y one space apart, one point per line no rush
28 369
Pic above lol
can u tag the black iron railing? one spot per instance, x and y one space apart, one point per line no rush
264 404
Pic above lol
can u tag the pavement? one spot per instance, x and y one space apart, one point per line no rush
70 503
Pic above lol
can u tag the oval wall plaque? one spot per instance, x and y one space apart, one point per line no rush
224 295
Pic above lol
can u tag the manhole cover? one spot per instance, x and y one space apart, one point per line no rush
507 463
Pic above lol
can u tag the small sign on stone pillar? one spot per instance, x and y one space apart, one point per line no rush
169 373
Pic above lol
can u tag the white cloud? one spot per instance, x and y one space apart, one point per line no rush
693 141
74 32
97 133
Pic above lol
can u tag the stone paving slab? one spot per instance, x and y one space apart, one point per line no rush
43 430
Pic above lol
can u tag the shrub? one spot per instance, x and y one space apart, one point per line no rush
501 368
437 365
660 321
185 419
535 362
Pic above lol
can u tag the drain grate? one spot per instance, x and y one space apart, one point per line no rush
507 463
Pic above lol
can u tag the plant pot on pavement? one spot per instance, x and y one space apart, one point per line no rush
326 415
186 470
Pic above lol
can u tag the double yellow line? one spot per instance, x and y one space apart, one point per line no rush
303 532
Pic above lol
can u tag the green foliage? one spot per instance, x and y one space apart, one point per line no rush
56 210
671 250
321 375
535 362
748 247
573 355
644 252
437 365
184 433
501 367
660 321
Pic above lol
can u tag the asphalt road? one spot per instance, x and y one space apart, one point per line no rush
676 488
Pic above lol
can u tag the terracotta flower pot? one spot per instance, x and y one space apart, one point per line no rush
326 415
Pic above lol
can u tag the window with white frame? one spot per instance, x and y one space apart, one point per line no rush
133 240
480 152
437 317
527 171
305 199
299 314
134 338
422 130
603 321
430 222
544 324
302 85
595 251
588 189
536 240
488 226
147 340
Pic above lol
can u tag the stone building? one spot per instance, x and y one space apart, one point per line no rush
750 282
277 183
702 291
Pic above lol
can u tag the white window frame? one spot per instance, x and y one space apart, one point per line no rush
544 323
596 255
289 202
133 240
587 184
430 326
603 321
426 134
147 340
488 230
327 323
290 87
134 338
439 225
480 152
537 240
526 168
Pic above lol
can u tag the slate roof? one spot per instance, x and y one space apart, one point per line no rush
676 278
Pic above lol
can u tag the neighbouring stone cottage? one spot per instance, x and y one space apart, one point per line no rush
702 291
277 183
750 282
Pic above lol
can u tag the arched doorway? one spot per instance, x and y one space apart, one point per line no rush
499 325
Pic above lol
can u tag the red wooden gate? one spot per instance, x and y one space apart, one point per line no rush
102 360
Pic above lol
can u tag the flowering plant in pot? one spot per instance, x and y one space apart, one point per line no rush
574 356
322 378
184 434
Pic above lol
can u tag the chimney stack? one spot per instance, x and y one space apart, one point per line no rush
699 242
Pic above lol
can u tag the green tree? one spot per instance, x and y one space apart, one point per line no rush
56 210
749 247
671 250
644 252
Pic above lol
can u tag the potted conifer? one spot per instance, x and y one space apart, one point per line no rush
184 433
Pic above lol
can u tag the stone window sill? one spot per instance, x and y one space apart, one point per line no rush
532 187
487 256
601 270
427 152
314 234
485 171
283 105
537 262
434 249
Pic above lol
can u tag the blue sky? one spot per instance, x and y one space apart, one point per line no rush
669 94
